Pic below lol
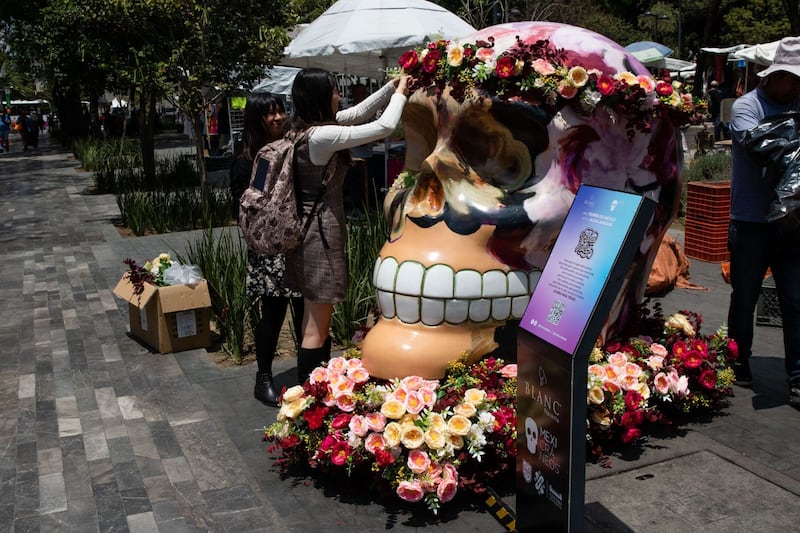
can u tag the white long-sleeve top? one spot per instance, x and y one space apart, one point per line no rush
351 131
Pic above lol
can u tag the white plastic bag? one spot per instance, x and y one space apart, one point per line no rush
179 274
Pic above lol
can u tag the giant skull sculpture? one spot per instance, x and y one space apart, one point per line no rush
495 177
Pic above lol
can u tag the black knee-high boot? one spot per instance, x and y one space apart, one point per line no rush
273 312
310 358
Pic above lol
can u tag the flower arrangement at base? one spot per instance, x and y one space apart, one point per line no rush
424 438
666 372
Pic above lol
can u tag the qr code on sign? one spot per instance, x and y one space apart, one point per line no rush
556 312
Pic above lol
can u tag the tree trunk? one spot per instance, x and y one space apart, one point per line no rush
794 17
712 15
199 146
147 115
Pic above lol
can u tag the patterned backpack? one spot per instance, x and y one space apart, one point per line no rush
269 213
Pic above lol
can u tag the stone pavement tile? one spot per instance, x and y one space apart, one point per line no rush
26 524
128 476
178 400
54 522
135 501
8 477
52 493
164 439
49 461
101 471
6 515
236 498
214 460
120 450
247 520
177 469
84 395
82 515
26 494
175 517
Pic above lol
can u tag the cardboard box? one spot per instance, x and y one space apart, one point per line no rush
169 319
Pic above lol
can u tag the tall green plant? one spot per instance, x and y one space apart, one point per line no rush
222 258
365 238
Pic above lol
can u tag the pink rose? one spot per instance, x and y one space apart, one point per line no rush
319 375
374 442
446 490
411 382
346 402
543 67
449 472
376 421
337 365
509 371
428 396
410 491
661 383
414 403
358 375
658 349
358 425
418 461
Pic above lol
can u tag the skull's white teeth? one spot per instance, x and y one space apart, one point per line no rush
438 294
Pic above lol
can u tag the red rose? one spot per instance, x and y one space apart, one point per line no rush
505 66
409 60
468 52
606 85
630 435
340 453
431 61
341 421
692 359
679 348
314 417
632 400
708 378
383 458
663 88
733 350
700 346
327 444
290 441
631 419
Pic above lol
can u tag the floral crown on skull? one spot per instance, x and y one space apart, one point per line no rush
538 73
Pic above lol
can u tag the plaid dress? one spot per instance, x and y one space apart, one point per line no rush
318 269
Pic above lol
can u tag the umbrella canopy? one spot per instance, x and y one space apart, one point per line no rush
649 52
364 37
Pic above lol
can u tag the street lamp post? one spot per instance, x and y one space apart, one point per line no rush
656 17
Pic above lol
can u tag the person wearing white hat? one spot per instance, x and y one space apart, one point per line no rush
754 243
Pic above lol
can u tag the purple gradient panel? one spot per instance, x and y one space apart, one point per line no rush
573 278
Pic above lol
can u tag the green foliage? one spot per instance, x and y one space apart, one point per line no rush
111 154
222 258
161 211
365 237
757 21
713 166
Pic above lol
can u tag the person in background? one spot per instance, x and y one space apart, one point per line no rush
264 117
754 243
223 126
318 268
5 130
714 97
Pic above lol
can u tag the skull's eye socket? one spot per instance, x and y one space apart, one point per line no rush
419 127
501 146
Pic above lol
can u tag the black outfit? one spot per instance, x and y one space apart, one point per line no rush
265 280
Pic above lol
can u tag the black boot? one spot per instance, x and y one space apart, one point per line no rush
310 358
264 390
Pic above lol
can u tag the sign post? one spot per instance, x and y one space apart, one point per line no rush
566 312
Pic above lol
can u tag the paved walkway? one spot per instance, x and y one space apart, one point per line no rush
99 434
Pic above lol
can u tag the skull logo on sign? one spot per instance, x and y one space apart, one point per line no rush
496 165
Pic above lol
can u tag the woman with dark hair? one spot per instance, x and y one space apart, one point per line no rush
318 268
264 119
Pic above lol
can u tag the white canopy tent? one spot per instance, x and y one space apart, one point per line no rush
365 37
761 54
278 81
